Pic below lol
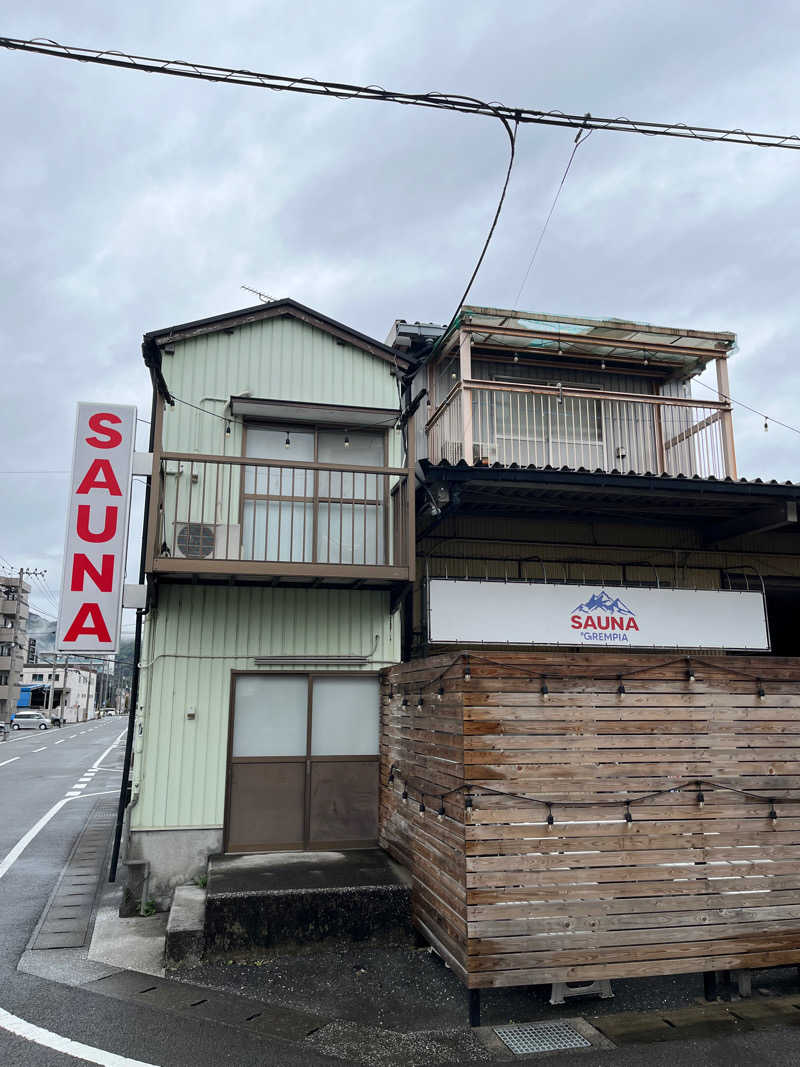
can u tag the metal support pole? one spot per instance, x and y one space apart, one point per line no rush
124 795
474 1007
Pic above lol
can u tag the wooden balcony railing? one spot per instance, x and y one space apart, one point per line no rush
233 515
485 423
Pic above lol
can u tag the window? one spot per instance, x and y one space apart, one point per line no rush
5 650
3 677
38 678
307 515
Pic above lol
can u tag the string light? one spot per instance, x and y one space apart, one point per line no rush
766 425
549 821
761 691
404 795
391 774
440 810
628 816
700 798
346 438
227 429
543 688
468 805
467 671
621 686
420 702
773 815
288 441
440 692
422 807
689 670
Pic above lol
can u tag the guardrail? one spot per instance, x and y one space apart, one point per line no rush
485 423
237 510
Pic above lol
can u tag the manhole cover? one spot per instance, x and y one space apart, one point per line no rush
541 1037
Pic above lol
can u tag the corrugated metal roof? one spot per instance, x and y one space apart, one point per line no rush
521 331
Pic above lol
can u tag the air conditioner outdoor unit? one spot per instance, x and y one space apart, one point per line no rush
206 540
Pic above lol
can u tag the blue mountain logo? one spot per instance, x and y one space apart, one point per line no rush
602 602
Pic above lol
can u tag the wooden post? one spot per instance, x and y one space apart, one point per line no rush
465 371
726 421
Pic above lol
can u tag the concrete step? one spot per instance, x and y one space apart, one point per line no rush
266 901
185 940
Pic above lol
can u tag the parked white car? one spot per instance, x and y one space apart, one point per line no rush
30 720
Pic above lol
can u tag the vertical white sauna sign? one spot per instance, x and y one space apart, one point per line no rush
90 610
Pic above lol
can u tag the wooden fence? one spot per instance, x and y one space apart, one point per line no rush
620 883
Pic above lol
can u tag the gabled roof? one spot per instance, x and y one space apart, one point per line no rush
155 340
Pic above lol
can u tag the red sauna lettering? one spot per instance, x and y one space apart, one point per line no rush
88 613
92 479
109 524
82 567
113 437
602 622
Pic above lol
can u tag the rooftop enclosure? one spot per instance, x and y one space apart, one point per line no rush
594 816
278 453
509 388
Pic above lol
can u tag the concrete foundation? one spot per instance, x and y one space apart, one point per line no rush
176 857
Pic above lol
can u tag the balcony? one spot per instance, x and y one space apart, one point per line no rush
289 522
484 423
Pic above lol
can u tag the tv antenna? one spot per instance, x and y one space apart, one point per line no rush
265 298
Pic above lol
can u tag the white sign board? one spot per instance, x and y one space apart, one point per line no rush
97 529
477 612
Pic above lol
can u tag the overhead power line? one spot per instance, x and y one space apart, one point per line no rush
437 101
543 230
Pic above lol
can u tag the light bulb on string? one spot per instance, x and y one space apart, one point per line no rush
544 688
346 438
227 429
549 821
628 816
287 443
761 691
766 424
621 686
700 798
773 815
440 810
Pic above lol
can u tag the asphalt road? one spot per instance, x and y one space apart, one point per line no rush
39 770
45 767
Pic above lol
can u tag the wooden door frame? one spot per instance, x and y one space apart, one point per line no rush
310 676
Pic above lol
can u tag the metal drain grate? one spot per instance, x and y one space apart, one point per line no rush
541 1037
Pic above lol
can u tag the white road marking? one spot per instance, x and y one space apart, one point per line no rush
65 1045
71 736
61 742
8 761
26 839
40 749
104 793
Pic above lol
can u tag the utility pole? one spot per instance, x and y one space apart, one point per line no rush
24 572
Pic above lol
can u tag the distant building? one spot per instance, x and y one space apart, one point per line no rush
73 690
13 641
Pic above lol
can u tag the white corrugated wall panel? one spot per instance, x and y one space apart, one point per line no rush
282 359
197 636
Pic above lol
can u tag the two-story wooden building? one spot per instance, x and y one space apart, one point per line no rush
590 752
585 623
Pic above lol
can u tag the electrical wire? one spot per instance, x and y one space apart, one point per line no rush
437 101
755 411
512 136
543 231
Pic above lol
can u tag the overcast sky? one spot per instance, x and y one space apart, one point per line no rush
130 201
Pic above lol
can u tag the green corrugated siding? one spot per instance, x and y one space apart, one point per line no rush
281 359
180 763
